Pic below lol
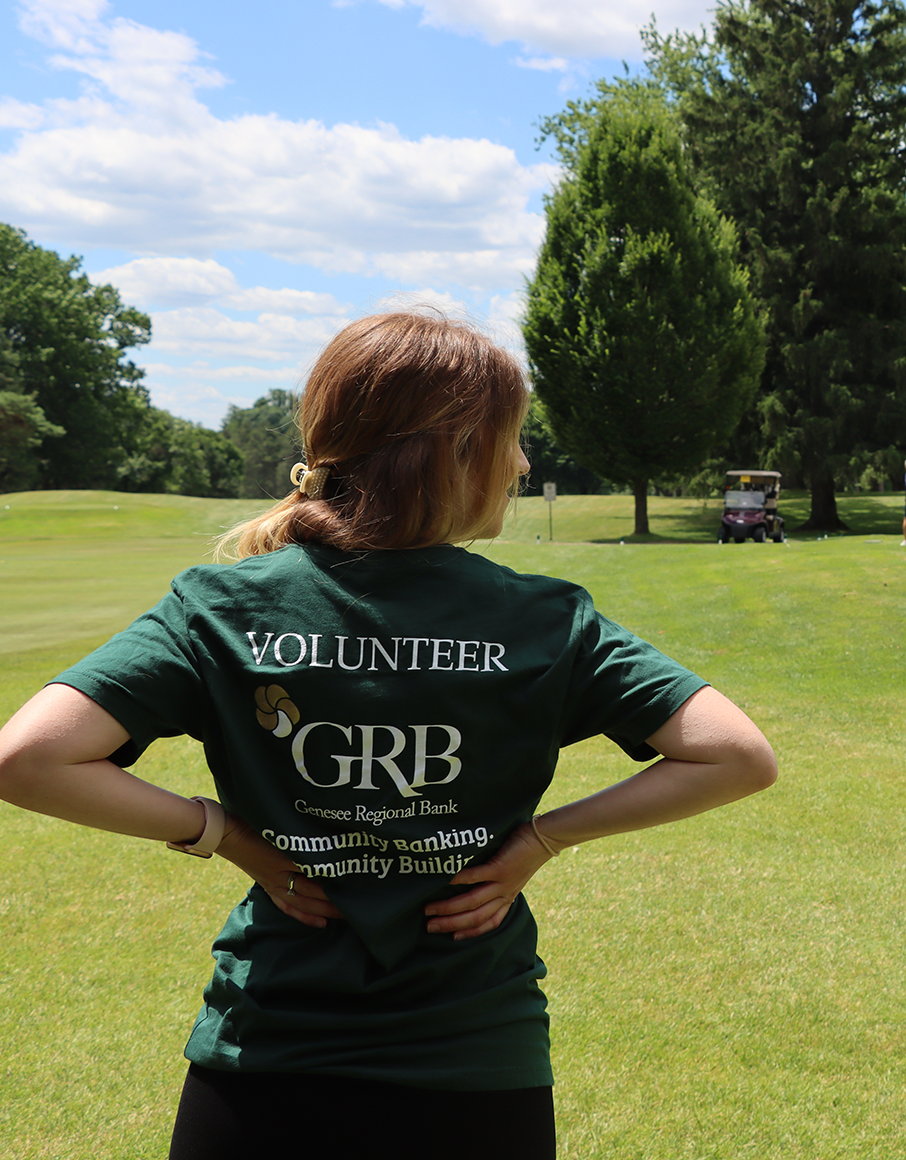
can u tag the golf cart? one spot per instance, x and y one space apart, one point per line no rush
750 507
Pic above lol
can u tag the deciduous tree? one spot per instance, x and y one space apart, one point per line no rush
267 436
170 454
643 339
23 428
69 338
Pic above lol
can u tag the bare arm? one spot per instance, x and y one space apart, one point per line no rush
713 754
53 761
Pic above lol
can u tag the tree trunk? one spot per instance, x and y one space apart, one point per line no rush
640 492
823 515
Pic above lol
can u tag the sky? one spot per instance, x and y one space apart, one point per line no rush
255 177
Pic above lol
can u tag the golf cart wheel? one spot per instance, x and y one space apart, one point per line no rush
759 535
778 537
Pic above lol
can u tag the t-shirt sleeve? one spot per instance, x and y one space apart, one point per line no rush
147 677
622 686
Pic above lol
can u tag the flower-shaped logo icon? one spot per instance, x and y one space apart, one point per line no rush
275 711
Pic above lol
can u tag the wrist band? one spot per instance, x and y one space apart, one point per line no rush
541 838
211 835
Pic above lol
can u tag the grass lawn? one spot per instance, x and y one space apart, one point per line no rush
730 986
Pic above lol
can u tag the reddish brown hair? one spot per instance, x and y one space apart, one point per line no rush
418 418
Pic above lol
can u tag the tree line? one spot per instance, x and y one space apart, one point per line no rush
75 413
723 276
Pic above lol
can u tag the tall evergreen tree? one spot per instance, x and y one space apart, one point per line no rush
643 340
795 113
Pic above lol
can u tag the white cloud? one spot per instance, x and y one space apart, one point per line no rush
61 23
169 281
212 350
285 301
201 401
245 374
289 327
507 309
477 270
139 163
544 63
200 372
503 322
203 332
147 68
577 29
18 115
202 393
147 282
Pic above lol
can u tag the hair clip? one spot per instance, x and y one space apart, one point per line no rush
310 483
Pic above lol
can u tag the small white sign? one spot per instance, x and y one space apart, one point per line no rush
550 491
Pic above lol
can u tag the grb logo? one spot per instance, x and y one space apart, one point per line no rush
361 758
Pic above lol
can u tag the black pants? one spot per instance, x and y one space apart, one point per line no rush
246 1115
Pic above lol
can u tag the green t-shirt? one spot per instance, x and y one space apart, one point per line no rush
385 719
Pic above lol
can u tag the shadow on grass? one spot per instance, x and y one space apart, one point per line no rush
641 541
863 514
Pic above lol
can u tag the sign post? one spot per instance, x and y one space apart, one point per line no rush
550 494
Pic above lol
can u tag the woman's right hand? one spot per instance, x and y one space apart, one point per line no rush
272 871
496 882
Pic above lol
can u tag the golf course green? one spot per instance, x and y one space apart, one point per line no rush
731 986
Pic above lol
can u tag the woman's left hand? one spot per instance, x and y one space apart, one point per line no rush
273 871
499 881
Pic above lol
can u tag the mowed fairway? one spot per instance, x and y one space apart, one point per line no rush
731 986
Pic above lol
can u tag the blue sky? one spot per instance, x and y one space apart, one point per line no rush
255 177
